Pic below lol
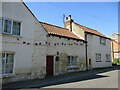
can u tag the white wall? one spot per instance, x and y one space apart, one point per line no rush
72 50
78 31
23 53
103 50
89 50
94 47
25 59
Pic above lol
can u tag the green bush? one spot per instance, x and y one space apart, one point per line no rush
115 61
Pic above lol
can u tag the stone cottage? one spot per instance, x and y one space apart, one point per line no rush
98 47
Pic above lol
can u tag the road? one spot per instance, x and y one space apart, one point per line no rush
95 78
106 80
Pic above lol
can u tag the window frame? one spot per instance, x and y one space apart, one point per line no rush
72 61
4 25
102 41
98 59
107 56
19 27
11 30
1 24
4 69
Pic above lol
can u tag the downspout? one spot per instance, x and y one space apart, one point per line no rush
86 51
112 50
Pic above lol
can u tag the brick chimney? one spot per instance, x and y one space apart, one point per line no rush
68 23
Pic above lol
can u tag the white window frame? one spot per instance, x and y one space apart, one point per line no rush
73 59
4 74
98 57
108 57
102 41
3 25
3 21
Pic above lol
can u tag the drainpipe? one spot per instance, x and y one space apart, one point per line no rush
86 51
112 50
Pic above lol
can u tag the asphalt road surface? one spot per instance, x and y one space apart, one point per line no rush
105 80
95 78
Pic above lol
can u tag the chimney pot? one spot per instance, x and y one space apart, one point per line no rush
66 18
70 16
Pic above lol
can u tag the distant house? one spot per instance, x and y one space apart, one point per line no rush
115 45
98 47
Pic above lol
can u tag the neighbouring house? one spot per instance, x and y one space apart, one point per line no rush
65 51
33 49
115 46
98 47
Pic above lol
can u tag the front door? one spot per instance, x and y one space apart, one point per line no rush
49 65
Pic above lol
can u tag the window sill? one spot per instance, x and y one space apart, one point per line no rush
72 67
108 61
98 61
6 75
7 34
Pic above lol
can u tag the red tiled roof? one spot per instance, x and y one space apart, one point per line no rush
59 31
91 31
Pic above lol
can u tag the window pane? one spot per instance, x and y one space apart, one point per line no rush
10 55
16 28
7 62
8 70
68 61
102 41
3 62
98 57
72 60
7 26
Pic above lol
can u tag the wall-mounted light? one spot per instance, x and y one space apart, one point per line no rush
57 58
57 53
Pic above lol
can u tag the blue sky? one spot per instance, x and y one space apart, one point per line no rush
101 16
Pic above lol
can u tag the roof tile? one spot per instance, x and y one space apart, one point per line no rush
56 30
92 31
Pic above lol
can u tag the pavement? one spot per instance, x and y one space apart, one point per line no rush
60 79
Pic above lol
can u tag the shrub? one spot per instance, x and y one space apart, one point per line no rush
116 61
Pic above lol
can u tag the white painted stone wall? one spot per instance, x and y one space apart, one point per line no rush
93 47
78 31
89 50
103 49
64 51
28 59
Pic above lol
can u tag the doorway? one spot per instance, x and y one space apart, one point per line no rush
49 65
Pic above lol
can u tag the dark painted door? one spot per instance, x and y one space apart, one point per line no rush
49 65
